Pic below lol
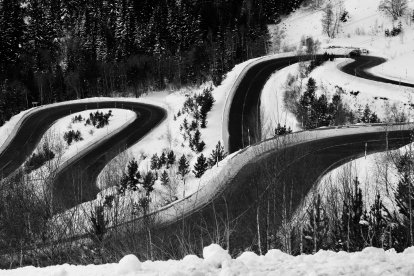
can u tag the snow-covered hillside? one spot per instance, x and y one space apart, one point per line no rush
63 151
365 28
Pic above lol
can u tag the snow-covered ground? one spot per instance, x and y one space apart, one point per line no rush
216 261
365 28
54 139
272 107
400 68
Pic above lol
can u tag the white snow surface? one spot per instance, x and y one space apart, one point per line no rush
400 68
216 261
364 28
272 108
91 135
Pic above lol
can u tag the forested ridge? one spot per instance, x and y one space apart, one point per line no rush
56 50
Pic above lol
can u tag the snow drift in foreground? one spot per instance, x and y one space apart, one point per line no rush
216 261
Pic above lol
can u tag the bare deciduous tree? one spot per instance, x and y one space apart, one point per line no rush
332 13
395 8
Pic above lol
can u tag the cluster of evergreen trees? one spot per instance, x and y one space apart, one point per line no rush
37 159
71 136
197 107
314 111
58 50
134 180
99 119
351 225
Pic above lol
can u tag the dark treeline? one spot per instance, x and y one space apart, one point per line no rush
64 49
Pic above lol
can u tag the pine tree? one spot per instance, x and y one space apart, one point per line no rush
133 174
203 116
378 224
183 166
155 162
185 124
195 143
201 166
217 155
352 214
130 179
165 179
328 20
306 101
170 158
319 113
148 183
316 229
369 116
162 161
404 198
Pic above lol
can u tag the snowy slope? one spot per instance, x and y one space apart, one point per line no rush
53 137
364 28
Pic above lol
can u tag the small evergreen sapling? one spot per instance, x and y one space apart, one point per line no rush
183 166
170 158
162 160
148 183
131 178
185 124
155 162
195 143
217 155
201 166
165 179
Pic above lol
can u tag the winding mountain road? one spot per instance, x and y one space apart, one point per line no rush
272 172
267 181
360 66
75 182
244 126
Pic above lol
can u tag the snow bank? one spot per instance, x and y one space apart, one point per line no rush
370 261
10 127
